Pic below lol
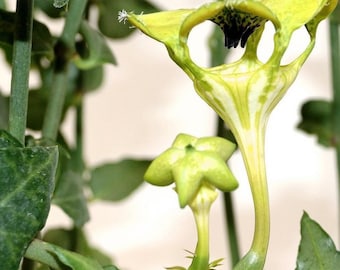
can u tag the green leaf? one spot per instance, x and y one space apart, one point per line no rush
69 194
108 23
92 78
42 41
316 120
43 251
7 140
316 250
75 240
97 50
116 181
75 260
27 181
37 103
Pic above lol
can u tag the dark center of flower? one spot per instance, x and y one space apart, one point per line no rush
237 26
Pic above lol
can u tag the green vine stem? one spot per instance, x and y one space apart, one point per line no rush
335 60
20 69
55 106
64 52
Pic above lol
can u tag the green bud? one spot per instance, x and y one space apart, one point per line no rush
192 162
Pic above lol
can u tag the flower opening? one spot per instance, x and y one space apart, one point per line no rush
237 26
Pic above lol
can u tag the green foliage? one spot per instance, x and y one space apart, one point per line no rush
316 120
37 102
28 173
69 192
115 181
75 240
27 181
60 258
96 51
92 78
317 250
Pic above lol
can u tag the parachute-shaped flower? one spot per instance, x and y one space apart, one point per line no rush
245 92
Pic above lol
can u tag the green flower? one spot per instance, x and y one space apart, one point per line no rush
245 92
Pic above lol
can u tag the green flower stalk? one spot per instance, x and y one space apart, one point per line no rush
197 167
245 92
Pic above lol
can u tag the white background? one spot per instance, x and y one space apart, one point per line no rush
146 101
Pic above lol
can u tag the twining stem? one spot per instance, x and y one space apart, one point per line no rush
20 69
335 61
64 52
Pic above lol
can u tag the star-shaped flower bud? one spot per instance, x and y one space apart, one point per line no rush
192 162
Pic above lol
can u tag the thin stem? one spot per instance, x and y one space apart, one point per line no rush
335 60
232 229
200 207
201 259
20 69
74 17
64 51
55 106
79 136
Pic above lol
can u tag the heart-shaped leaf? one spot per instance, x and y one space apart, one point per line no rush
317 249
27 182
69 191
316 120
116 181
97 50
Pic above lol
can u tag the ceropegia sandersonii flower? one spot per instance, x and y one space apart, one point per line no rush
244 92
